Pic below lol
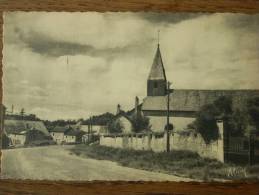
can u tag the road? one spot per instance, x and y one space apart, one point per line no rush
57 163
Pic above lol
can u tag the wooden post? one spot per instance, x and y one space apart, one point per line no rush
88 136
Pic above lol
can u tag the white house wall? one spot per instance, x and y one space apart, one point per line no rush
57 137
69 138
127 127
17 139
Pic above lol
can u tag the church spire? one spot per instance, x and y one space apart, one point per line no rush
156 83
157 71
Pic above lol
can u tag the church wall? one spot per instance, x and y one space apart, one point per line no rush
158 122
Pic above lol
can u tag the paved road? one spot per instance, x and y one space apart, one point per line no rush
57 163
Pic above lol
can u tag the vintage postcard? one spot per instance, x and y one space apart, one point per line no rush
134 96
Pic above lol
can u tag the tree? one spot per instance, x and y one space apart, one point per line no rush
224 105
102 119
140 123
206 123
115 126
253 112
236 124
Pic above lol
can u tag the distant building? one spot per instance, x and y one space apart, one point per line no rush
94 128
58 134
22 132
66 135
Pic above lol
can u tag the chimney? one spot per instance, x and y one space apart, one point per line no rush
118 109
136 105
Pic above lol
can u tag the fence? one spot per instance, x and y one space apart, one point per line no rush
242 150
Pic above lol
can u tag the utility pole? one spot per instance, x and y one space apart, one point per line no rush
168 117
91 129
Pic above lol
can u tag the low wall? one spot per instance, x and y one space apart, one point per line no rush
157 143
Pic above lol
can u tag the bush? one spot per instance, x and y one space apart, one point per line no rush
206 123
140 123
115 126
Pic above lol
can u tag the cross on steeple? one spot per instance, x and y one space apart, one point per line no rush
158 32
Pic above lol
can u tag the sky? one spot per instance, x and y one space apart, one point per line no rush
75 65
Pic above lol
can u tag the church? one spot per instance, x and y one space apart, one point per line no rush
183 103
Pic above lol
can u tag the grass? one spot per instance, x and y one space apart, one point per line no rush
181 163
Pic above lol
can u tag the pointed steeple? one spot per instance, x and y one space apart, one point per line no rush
156 83
157 71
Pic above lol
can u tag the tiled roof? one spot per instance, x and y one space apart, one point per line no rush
71 131
157 71
192 100
19 126
59 129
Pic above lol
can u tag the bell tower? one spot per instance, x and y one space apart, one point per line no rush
156 83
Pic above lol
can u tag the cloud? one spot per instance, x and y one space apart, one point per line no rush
110 56
165 17
42 44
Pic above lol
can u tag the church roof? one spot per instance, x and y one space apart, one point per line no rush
157 71
193 100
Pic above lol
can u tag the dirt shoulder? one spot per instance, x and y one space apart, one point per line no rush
179 163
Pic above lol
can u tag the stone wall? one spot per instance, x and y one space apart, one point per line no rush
157 142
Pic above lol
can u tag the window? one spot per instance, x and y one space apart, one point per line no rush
155 84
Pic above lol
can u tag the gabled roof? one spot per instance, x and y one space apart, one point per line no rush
59 129
19 126
157 71
193 100
124 115
67 130
71 132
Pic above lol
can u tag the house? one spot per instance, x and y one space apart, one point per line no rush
67 134
96 129
23 132
184 103
57 133
70 135
124 121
